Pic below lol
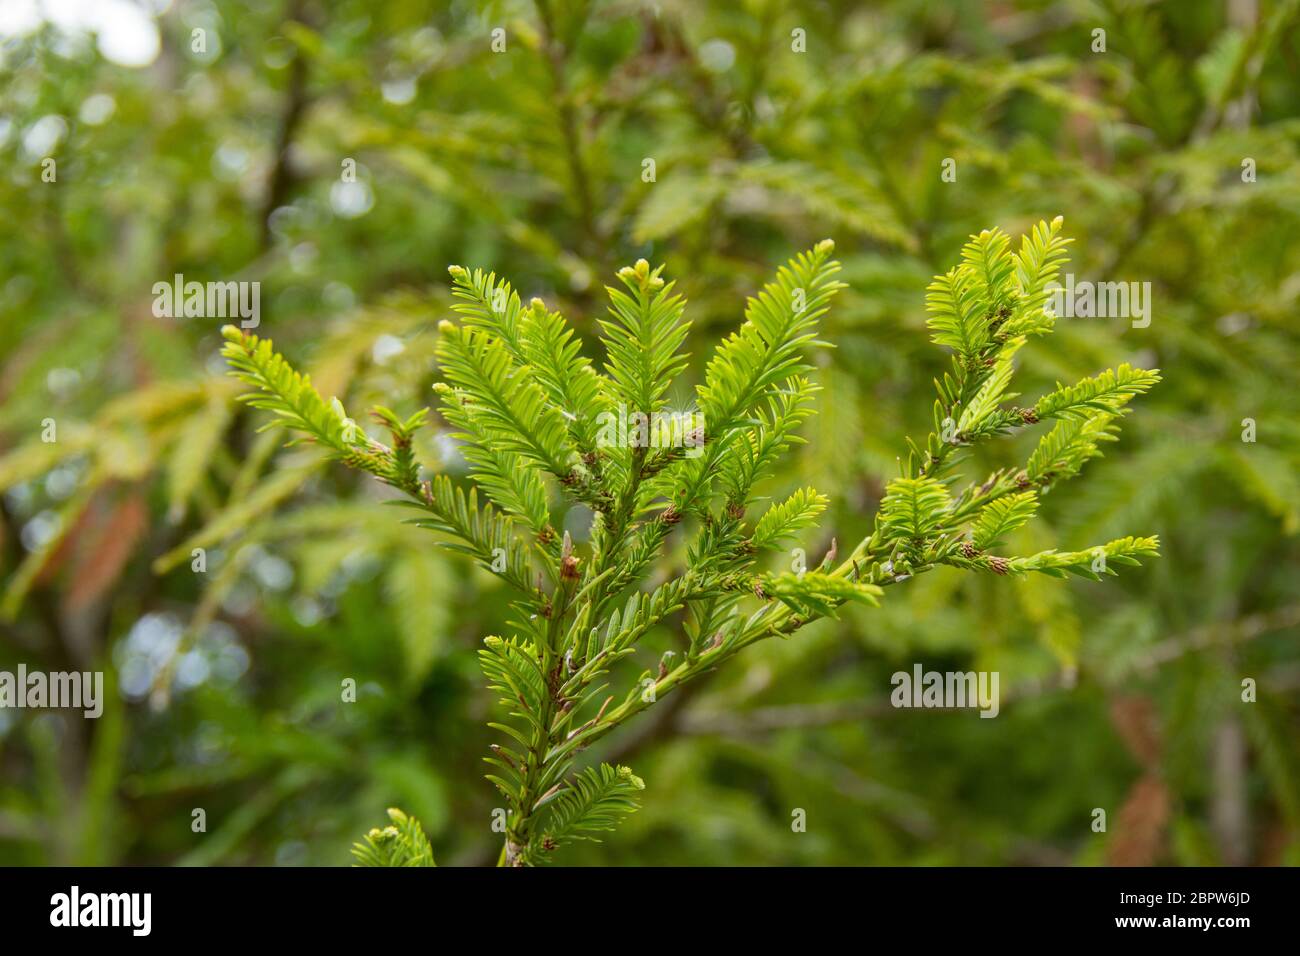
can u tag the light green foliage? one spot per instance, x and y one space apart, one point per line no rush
595 801
815 594
914 508
402 843
1091 563
287 393
769 349
546 673
1062 451
643 338
983 309
759 448
971 306
1106 393
509 411
1003 516
754 368
782 521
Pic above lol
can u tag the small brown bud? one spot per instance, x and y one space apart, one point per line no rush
568 563
663 670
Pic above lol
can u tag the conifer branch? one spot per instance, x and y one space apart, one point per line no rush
525 404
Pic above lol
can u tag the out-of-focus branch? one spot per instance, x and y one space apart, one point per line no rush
556 55
762 720
295 105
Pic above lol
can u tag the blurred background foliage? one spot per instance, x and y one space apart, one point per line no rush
227 164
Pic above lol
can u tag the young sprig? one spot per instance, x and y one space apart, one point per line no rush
530 411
